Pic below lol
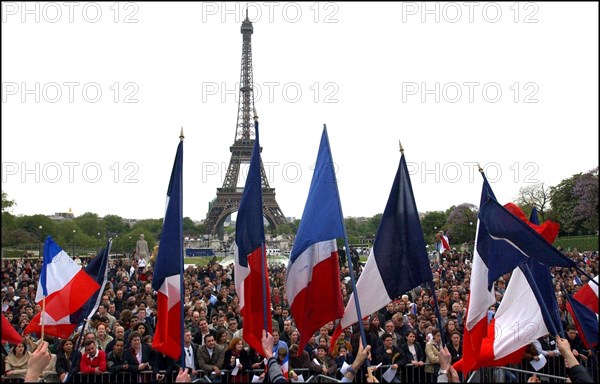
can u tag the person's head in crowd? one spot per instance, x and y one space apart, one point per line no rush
390 307
571 332
455 338
437 337
119 346
287 326
142 305
120 294
131 303
147 339
101 331
389 326
135 340
456 308
203 324
322 341
141 329
209 341
221 337
126 315
19 349
323 331
411 336
141 315
66 347
133 322
428 327
119 331
294 337
236 344
90 348
443 309
455 295
322 351
285 313
276 335
187 337
450 326
233 324
89 336
195 317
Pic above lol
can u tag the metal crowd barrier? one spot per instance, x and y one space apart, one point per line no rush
553 372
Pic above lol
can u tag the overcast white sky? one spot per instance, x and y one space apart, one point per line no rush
517 91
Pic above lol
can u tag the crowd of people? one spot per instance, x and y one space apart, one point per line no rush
405 335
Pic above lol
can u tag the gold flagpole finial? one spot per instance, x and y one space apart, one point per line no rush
255 114
181 137
401 148
480 169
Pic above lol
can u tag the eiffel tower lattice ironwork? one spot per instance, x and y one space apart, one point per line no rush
229 196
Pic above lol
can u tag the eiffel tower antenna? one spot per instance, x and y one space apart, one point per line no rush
229 196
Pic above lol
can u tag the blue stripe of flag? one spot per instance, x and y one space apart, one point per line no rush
249 229
321 216
399 247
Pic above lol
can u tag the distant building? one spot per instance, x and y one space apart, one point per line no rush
59 216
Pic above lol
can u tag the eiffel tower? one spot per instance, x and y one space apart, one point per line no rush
229 196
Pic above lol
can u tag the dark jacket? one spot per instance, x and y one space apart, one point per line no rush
116 363
407 356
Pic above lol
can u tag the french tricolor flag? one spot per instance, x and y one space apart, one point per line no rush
442 243
250 266
313 273
168 336
398 261
70 291
507 242
583 307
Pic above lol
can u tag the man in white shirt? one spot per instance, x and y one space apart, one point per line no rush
191 352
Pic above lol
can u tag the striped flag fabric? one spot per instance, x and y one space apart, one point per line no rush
583 307
507 242
442 244
313 273
250 266
588 295
398 261
69 290
9 333
168 269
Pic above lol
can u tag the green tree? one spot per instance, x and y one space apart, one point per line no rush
431 220
114 224
91 224
563 202
461 223
7 204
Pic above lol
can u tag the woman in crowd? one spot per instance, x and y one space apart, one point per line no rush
237 356
449 329
412 354
16 362
65 357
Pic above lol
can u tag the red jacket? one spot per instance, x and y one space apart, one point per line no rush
88 365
